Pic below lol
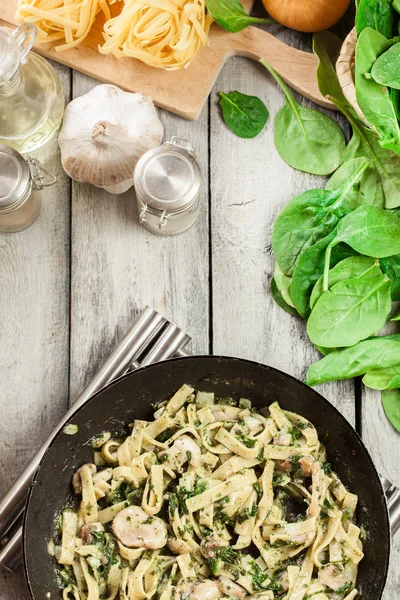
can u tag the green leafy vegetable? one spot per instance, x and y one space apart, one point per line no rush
352 267
283 283
377 14
369 230
383 379
373 98
244 115
65 576
245 440
277 296
391 267
396 316
350 311
305 138
385 69
375 353
367 190
231 16
309 218
384 164
391 406
310 267
183 494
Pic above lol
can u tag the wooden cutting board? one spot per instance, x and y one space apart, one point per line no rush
185 91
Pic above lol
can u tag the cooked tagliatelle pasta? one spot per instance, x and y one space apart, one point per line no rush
209 500
165 34
68 20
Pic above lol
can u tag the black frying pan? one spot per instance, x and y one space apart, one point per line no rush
131 398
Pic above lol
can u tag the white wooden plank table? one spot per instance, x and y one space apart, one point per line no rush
73 283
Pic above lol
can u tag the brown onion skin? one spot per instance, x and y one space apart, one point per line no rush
306 15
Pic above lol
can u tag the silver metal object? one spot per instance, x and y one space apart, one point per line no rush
167 182
392 494
11 554
151 340
36 172
20 183
151 328
15 179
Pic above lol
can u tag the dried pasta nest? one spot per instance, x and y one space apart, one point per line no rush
345 72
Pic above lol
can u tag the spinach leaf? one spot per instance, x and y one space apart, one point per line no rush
376 353
327 46
391 267
283 283
385 69
352 267
377 14
277 296
369 230
383 379
367 191
231 16
385 163
309 218
395 98
364 142
309 269
396 317
305 138
373 98
391 406
244 115
350 311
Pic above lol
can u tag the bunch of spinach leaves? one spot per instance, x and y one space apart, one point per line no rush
338 251
377 74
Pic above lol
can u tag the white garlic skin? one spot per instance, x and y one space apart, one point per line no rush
104 134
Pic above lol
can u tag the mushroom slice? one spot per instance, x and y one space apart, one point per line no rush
306 462
135 529
335 576
76 480
183 450
88 529
211 544
178 546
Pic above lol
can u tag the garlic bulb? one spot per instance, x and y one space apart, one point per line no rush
104 134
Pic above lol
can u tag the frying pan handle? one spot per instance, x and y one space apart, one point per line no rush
392 494
151 339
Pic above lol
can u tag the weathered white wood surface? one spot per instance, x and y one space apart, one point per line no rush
66 299
34 332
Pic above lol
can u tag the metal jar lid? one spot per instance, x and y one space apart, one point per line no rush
168 178
15 178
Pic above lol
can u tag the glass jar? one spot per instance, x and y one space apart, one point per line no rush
31 93
167 181
20 183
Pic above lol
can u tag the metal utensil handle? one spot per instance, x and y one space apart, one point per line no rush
139 342
144 330
392 494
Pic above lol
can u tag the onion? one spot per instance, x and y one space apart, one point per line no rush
307 15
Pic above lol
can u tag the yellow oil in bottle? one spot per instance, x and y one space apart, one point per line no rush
31 93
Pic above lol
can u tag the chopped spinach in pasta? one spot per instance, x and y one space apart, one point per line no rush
209 500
